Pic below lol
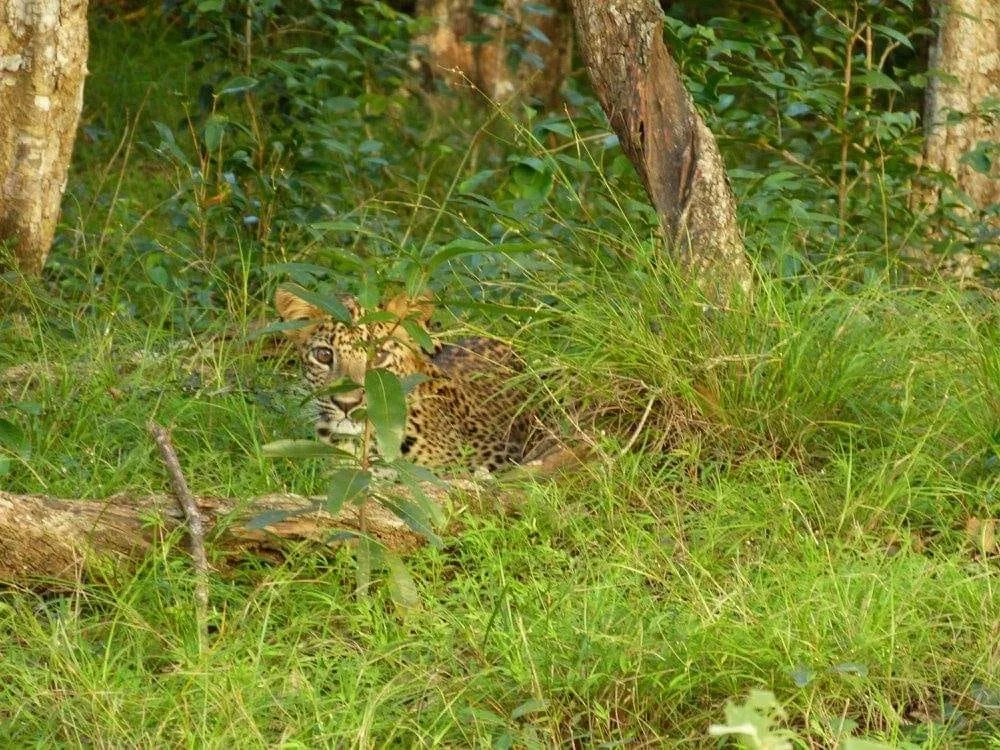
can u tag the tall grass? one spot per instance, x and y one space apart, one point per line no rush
778 498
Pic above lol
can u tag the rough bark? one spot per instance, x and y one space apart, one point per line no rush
43 62
965 72
674 152
523 50
45 537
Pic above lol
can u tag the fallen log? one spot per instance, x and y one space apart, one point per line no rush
43 537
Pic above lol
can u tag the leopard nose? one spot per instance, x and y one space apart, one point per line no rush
348 402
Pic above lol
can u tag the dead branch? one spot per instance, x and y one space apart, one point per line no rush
195 526
57 539
46 537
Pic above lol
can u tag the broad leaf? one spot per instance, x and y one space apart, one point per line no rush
459 247
416 519
12 437
271 517
237 85
347 485
303 449
418 333
386 410
279 326
325 302
368 555
401 587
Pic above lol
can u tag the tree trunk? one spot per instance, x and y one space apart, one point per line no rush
675 154
52 538
43 61
965 72
524 49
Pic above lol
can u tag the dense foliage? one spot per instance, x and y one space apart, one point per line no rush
798 494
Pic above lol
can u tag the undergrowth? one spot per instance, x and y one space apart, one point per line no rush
791 494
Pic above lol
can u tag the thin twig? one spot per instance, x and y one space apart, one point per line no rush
196 527
638 427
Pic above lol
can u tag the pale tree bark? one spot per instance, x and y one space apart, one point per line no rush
965 73
46 537
674 152
43 62
524 49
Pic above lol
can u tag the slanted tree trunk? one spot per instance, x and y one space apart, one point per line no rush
965 73
675 154
522 49
43 61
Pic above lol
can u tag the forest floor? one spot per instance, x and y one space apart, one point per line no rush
817 521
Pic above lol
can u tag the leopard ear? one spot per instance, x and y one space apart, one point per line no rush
417 308
352 306
292 307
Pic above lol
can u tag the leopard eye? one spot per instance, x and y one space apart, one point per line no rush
321 354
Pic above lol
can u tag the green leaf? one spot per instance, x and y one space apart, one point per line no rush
412 380
854 743
418 333
336 256
166 134
214 131
340 385
851 667
369 553
377 316
530 706
415 517
279 326
269 518
12 437
303 449
401 587
159 276
876 79
346 485
893 34
301 273
981 157
533 177
336 226
325 302
459 247
559 127
340 104
237 85
470 184
386 410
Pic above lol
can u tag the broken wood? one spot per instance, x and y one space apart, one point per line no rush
46 537
57 539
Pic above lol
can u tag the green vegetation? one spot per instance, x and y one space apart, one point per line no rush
790 514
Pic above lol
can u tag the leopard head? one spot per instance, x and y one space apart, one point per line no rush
336 354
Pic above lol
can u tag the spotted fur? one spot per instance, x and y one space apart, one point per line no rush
461 412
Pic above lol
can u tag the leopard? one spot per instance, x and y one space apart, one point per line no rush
462 412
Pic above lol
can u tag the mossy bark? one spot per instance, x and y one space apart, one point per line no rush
675 154
43 63
965 75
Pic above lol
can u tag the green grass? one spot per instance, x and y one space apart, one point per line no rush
791 516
